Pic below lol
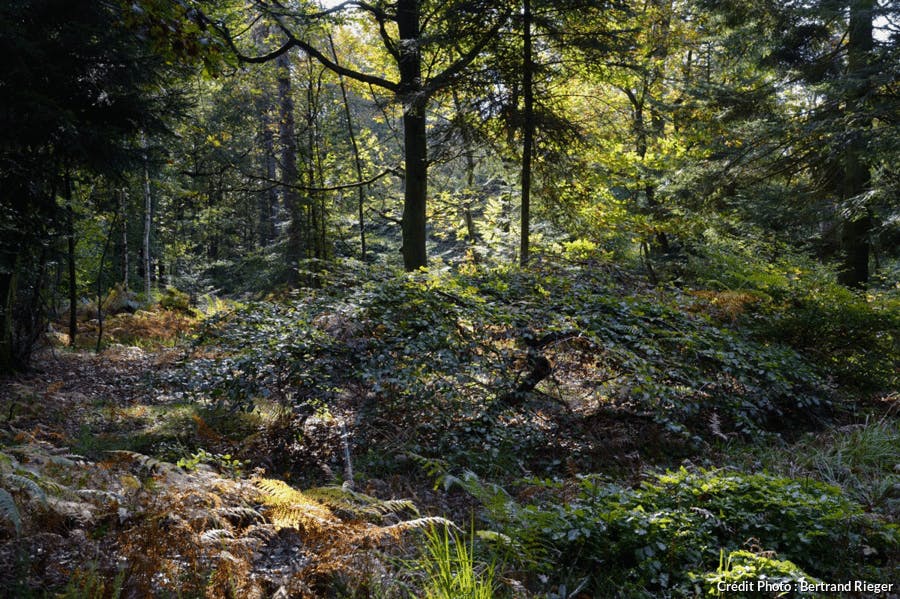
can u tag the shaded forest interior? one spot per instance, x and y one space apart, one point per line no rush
464 299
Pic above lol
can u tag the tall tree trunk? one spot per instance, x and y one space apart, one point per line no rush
415 100
469 154
528 132
148 222
318 229
289 173
357 161
70 242
109 235
856 176
267 201
123 211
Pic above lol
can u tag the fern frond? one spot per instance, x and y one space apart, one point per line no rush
100 494
338 496
433 467
240 515
76 458
262 532
419 523
359 504
277 492
61 460
216 535
299 516
144 461
493 536
9 510
24 482
290 507
392 506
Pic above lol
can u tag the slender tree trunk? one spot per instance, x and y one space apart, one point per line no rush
357 161
268 199
289 173
70 242
148 223
8 274
415 100
123 211
856 176
469 154
528 132
318 222
109 235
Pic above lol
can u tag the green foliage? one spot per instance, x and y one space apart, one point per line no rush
852 336
224 462
435 354
89 583
9 510
649 539
860 458
451 569
19 481
743 565
173 299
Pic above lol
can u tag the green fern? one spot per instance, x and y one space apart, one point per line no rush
9 510
24 482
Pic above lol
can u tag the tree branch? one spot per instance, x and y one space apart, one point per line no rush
277 183
294 42
444 78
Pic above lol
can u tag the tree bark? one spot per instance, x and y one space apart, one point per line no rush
289 173
109 235
70 243
528 131
148 223
268 199
856 176
414 98
357 161
123 211
8 273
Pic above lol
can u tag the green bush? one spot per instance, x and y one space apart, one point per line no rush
435 354
173 299
648 540
854 337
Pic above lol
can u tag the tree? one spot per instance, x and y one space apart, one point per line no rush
96 87
449 25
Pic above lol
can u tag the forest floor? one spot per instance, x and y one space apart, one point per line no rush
125 485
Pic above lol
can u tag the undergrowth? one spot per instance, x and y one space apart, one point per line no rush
666 536
438 355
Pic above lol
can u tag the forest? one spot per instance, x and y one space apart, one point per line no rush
458 299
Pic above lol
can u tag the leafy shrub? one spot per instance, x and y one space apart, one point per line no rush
855 338
852 336
437 355
859 458
173 299
645 541
740 566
